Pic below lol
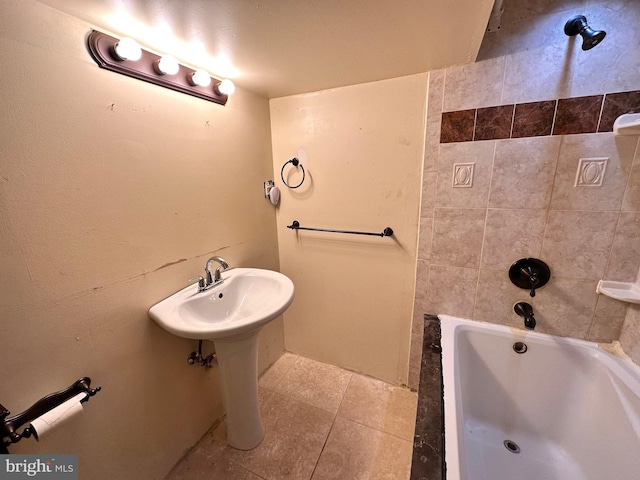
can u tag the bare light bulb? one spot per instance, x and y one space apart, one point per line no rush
200 78
225 87
167 65
128 49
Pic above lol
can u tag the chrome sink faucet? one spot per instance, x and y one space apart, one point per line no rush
215 278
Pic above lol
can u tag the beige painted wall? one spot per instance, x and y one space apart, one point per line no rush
112 193
353 294
470 237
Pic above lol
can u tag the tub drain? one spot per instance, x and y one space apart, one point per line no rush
520 347
511 446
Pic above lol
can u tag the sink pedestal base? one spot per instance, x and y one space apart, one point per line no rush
238 362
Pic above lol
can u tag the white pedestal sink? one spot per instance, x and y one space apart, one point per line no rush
238 362
232 315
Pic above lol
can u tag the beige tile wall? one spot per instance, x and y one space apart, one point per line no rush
630 336
523 201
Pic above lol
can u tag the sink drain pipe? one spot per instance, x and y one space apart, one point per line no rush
196 358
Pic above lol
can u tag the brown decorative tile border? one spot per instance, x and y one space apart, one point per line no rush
493 122
617 104
533 119
577 115
564 116
457 126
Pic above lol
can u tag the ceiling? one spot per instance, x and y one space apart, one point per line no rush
283 47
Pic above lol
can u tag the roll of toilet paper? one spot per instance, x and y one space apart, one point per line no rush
274 195
57 416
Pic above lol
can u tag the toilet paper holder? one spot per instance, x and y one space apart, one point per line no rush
10 425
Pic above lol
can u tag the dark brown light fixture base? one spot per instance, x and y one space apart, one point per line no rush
101 47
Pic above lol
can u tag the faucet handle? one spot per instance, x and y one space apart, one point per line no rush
527 271
529 274
200 280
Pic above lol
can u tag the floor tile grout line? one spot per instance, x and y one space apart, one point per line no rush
344 394
277 389
232 461
280 390
333 422
377 429
284 374
250 471
351 377
315 466
393 387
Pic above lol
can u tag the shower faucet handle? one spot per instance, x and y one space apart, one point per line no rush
529 274
527 271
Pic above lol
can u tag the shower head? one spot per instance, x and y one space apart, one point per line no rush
590 37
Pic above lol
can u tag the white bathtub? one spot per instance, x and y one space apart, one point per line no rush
571 408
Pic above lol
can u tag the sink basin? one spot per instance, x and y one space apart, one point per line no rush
232 315
247 299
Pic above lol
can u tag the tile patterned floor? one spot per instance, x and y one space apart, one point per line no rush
321 422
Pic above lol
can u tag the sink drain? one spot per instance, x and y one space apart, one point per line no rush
511 446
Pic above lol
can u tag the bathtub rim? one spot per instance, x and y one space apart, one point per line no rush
450 326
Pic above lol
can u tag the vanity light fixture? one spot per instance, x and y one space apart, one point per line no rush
200 78
125 56
225 87
167 65
127 49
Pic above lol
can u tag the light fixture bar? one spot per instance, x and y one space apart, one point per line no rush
101 47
